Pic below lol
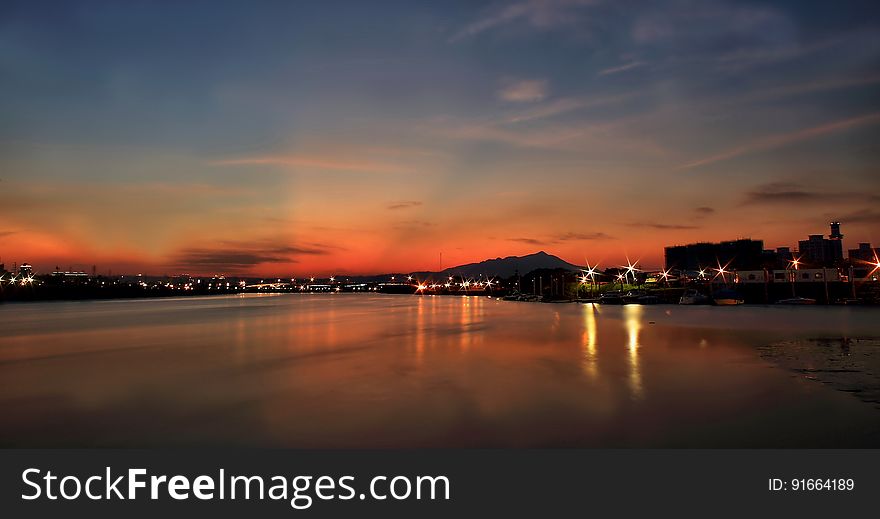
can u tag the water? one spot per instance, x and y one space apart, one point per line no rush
349 370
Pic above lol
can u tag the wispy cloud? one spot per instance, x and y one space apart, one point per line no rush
663 226
313 163
870 216
540 14
704 211
408 225
528 241
793 193
621 68
562 106
579 236
523 90
231 256
565 237
403 204
771 142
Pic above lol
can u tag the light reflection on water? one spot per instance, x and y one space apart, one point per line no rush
403 371
590 363
633 323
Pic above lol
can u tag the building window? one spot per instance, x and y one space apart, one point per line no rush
818 275
778 275
752 277
805 275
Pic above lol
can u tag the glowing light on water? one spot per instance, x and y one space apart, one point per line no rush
589 340
633 325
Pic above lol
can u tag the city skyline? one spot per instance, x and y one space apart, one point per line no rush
155 138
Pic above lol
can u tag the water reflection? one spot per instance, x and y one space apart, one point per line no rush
402 371
590 359
420 329
633 324
471 317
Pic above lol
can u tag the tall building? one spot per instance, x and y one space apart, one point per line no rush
864 253
736 254
819 251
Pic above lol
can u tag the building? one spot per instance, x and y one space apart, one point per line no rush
864 263
818 251
68 276
736 255
864 253
25 270
804 275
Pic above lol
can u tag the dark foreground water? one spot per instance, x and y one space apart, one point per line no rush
408 371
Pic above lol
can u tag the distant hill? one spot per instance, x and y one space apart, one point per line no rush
507 267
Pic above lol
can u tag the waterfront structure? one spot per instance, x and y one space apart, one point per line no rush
74 275
801 275
819 251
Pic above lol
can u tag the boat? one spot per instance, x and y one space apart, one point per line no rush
611 298
796 301
727 297
693 297
633 296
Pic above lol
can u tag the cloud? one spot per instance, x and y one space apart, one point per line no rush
6 233
704 211
569 236
528 241
708 21
792 193
576 236
621 68
663 226
537 14
776 192
861 216
770 142
403 204
408 225
524 90
232 256
314 163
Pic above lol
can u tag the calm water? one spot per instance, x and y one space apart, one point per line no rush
404 371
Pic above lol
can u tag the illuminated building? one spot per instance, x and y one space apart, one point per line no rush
25 270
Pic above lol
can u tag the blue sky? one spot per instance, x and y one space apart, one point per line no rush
370 136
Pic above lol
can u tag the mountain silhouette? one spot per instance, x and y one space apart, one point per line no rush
507 267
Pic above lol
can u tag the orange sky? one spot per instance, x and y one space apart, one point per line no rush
292 141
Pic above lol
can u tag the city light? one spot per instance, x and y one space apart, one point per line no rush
875 265
722 271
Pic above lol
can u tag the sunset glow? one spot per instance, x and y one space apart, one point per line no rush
291 141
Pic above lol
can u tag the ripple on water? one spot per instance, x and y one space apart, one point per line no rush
848 364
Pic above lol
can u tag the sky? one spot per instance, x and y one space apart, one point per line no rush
318 138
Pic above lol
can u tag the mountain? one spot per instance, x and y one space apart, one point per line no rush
507 267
